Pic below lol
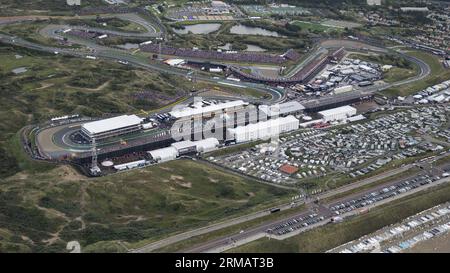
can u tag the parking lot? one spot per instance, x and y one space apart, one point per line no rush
423 226
337 211
379 194
295 223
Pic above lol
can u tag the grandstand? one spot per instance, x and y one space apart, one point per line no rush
111 127
251 57
334 101
304 75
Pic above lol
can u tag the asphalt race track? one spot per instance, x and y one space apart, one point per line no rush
60 146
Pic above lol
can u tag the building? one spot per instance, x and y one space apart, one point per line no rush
131 165
337 100
414 9
73 2
175 62
288 169
199 146
111 127
343 89
163 154
282 109
199 109
374 2
340 113
207 145
264 129
219 4
184 147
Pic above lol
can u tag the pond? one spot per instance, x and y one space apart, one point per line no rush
198 29
245 30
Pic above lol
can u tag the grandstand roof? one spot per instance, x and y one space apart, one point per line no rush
111 124
189 111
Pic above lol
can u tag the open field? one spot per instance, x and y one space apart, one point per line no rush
59 205
316 27
332 235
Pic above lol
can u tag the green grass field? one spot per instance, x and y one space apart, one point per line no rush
30 32
53 207
332 235
315 27
113 23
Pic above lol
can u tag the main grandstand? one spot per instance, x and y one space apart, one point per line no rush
111 127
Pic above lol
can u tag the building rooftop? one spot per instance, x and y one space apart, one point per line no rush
264 124
197 110
110 124
289 169
284 108
183 145
163 153
342 109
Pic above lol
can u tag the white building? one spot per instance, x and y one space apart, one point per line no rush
282 109
219 4
73 2
343 89
200 146
184 147
111 127
264 130
200 109
340 113
207 145
130 165
374 2
164 154
175 62
414 9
